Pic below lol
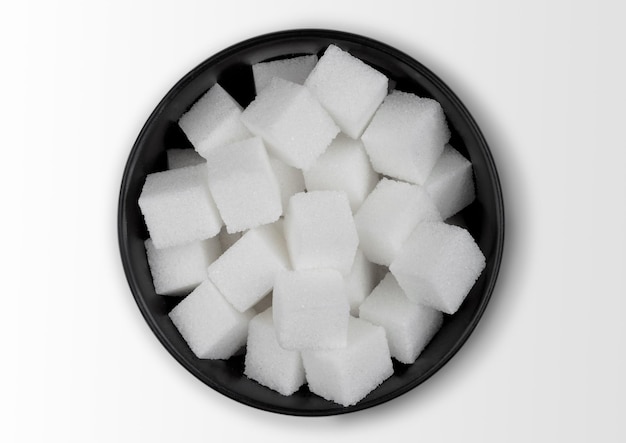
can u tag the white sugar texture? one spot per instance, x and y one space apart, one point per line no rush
290 180
213 121
451 183
178 208
409 326
180 158
388 216
349 89
179 269
295 70
311 310
243 185
343 167
320 231
227 240
438 265
212 328
360 281
347 375
267 362
245 273
406 136
294 126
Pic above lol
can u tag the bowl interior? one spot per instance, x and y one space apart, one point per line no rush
232 69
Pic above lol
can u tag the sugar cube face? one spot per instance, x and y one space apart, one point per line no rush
179 269
388 216
243 185
267 362
409 326
438 265
320 231
451 183
311 309
290 180
294 126
347 375
178 208
212 328
180 158
213 121
245 273
227 240
406 136
343 167
349 89
295 70
360 281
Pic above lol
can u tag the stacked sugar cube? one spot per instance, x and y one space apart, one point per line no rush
310 227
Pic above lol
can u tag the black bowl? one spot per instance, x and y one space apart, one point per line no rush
232 69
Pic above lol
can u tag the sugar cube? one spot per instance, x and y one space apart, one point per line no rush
347 375
409 326
243 185
310 309
320 231
245 273
438 265
360 281
213 121
388 216
212 328
264 303
290 180
179 269
450 183
406 136
294 126
179 158
295 70
343 167
178 208
349 89
267 362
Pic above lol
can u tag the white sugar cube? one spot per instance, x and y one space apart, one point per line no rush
213 121
178 208
388 216
347 375
267 362
409 326
349 89
295 70
294 126
438 265
212 328
320 231
245 273
343 167
450 183
311 310
227 240
360 281
290 180
406 136
180 158
179 269
243 185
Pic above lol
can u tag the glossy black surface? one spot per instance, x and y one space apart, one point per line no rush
232 69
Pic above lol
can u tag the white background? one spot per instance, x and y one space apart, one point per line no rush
544 80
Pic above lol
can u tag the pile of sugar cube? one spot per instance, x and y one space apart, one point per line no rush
309 226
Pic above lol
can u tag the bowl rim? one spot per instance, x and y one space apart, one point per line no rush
295 34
